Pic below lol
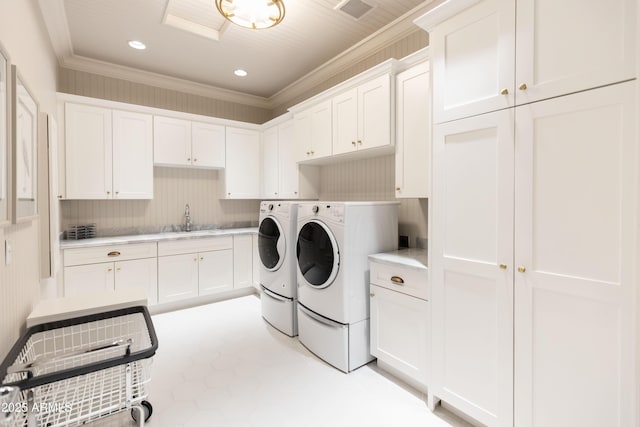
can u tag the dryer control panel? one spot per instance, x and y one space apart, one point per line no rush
329 211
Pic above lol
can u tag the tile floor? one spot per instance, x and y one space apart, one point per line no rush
223 365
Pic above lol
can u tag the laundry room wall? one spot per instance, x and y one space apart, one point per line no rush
25 39
374 179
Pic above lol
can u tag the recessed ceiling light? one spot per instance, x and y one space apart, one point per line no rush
240 72
137 44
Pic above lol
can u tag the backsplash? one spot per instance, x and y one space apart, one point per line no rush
173 188
374 179
368 179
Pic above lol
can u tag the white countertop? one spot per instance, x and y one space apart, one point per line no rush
145 238
51 310
410 257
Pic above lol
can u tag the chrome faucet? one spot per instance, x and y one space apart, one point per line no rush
187 218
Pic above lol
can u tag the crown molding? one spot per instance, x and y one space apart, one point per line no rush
56 23
107 69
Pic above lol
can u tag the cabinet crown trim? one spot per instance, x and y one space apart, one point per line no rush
390 66
442 12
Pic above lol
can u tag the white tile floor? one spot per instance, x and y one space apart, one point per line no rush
222 365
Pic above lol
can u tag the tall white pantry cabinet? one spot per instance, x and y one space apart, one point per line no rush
534 243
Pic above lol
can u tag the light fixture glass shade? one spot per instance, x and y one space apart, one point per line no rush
255 14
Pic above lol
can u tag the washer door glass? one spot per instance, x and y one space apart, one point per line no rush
318 256
270 244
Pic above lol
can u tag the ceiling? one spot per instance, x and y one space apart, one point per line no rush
181 39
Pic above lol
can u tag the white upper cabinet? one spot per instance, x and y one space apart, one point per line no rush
108 153
362 116
241 177
545 39
270 163
179 142
132 155
313 132
413 133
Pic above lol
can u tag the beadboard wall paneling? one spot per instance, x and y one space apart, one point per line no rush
102 87
173 188
373 180
410 44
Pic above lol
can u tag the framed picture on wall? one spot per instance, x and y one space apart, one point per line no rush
24 149
5 174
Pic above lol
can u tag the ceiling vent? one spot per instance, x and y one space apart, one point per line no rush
354 8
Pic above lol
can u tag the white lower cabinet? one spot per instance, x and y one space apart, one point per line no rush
214 274
108 268
177 277
400 317
399 331
242 261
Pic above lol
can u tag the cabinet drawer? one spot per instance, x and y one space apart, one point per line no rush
187 246
99 254
401 279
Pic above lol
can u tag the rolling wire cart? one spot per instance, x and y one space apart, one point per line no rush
70 372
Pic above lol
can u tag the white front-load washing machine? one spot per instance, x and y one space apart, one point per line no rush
277 252
333 245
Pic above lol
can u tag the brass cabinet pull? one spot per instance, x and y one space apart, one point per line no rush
353 143
108 192
59 196
503 266
201 258
113 253
312 152
188 159
308 153
523 86
397 188
195 160
109 269
359 142
397 280
522 269
372 295
117 192
504 91
118 269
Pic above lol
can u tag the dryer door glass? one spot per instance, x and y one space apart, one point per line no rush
317 254
270 240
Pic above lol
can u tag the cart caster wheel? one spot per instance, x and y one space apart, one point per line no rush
146 407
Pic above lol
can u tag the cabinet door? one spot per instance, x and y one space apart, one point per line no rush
132 155
255 261
177 277
287 166
374 113
88 152
270 163
413 133
88 279
472 59
472 268
345 122
242 170
552 55
242 261
302 129
321 130
171 141
207 145
138 273
216 271
399 332
576 157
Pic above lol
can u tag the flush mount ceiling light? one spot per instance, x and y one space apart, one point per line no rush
254 14
240 72
137 44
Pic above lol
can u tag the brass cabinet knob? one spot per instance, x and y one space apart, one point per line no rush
523 86
503 266
353 143
372 295
59 196
195 160
201 258
522 269
397 188
228 194
109 269
295 192
312 152
504 91
118 269
359 142
117 192
188 159
308 153
108 192
195 259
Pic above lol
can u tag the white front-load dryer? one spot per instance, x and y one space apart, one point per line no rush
276 250
334 242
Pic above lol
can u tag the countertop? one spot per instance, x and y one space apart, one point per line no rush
410 257
147 238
